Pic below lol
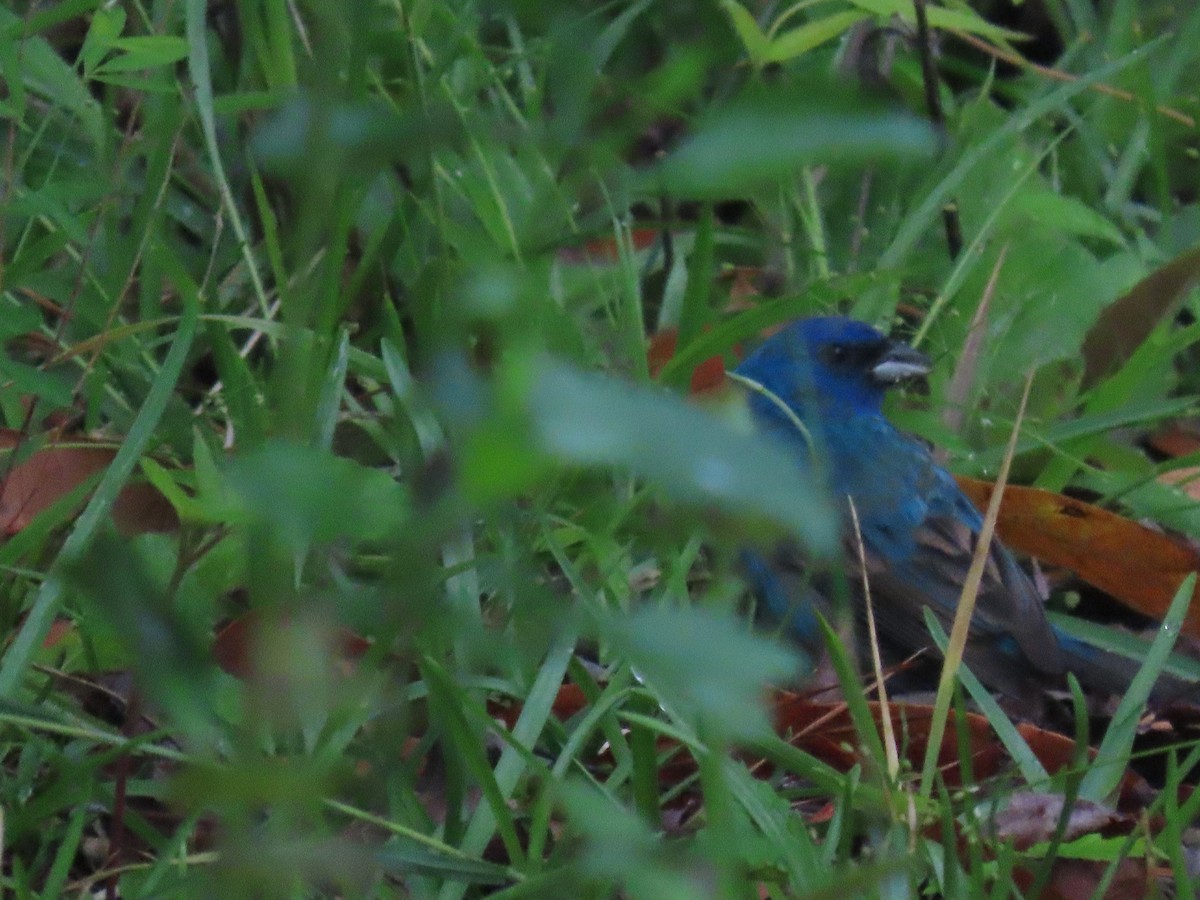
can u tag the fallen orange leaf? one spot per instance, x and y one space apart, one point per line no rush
1140 567
661 349
708 377
607 250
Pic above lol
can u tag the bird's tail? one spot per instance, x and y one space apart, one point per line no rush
1101 669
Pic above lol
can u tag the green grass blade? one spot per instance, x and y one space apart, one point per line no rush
1113 755
50 596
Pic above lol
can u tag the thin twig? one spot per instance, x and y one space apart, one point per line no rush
860 218
1108 90
933 102
116 844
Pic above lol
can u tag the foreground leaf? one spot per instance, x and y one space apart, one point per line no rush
758 138
695 457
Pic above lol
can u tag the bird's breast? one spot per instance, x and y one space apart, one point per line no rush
888 478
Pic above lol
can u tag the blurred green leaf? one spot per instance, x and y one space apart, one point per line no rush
360 133
592 421
621 849
168 652
765 135
309 495
404 860
708 668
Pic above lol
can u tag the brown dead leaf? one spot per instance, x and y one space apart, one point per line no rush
56 470
1128 321
1176 439
825 730
234 647
1140 567
748 284
1079 879
60 629
1032 818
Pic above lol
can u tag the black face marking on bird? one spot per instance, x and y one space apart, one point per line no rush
884 361
851 357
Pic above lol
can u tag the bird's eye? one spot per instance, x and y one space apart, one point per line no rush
838 353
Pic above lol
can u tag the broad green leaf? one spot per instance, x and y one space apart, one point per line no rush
53 388
939 17
140 53
47 74
917 221
309 495
707 666
186 506
693 456
798 41
758 138
103 32
747 29
1067 214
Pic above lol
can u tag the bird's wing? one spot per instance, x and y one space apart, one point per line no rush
1009 625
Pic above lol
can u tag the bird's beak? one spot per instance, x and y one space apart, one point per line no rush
899 362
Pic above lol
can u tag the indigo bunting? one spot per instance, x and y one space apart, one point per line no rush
824 381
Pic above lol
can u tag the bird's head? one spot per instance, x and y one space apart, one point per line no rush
832 362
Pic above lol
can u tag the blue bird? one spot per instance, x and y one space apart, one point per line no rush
825 380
